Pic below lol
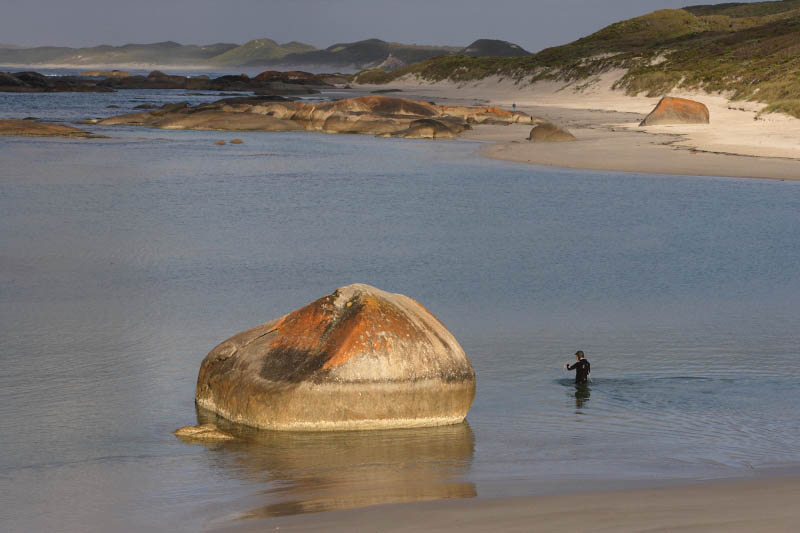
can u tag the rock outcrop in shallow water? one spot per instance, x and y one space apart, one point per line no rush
205 432
360 358
677 111
270 82
32 128
373 115
33 82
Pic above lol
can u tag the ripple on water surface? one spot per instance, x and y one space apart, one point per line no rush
123 262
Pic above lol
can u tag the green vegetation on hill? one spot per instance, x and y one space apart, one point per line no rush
166 53
370 52
493 47
259 50
743 9
255 53
751 51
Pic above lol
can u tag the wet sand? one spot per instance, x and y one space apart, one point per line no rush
613 148
739 142
765 505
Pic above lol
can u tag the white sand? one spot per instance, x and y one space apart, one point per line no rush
606 121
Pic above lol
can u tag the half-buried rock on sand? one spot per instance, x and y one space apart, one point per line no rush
359 358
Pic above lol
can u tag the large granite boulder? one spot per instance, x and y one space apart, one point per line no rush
677 111
363 123
359 358
547 132
486 115
222 121
386 105
428 128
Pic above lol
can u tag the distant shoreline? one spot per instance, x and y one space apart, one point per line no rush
124 66
314 69
739 142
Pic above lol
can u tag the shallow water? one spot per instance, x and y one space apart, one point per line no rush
124 261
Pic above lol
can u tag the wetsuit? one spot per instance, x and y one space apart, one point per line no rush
581 371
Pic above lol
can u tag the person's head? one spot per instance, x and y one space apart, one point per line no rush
579 355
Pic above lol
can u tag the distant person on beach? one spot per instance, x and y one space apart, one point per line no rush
581 368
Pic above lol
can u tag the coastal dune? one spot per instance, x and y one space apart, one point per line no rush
739 141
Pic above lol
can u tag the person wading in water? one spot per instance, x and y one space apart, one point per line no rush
581 368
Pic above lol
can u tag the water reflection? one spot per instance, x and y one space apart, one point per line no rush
582 396
580 392
315 472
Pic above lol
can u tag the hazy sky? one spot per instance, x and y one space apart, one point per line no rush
533 24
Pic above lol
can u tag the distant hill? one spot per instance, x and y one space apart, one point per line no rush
166 53
265 52
750 50
744 9
259 51
256 53
493 48
366 54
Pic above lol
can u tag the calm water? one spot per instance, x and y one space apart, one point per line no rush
124 261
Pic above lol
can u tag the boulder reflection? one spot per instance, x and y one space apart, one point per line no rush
315 472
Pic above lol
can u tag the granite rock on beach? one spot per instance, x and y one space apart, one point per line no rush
671 110
373 115
359 358
549 132
427 128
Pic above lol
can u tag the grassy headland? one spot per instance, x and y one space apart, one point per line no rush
751 51
259 50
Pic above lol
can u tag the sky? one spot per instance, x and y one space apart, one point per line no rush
533 24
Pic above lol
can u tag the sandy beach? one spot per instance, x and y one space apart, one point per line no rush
731 506
739 142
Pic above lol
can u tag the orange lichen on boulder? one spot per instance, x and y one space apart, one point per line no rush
360 358
672 110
